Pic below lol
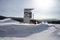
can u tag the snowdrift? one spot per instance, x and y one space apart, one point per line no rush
25 31
22 30
7 20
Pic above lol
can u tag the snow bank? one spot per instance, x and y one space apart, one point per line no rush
22 30
45 35
25 31
7 20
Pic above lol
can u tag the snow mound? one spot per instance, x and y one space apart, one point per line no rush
57 33
7 20
23 30
26 31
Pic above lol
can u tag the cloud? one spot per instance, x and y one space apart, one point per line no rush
42 8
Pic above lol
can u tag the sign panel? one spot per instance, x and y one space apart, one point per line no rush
27 15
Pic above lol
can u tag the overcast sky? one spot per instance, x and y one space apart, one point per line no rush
42 8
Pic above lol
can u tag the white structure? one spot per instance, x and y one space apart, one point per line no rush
27 15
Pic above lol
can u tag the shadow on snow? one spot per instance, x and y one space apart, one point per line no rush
21 30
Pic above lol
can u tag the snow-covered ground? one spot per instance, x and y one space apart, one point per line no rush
13 30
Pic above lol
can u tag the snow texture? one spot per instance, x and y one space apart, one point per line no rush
13 30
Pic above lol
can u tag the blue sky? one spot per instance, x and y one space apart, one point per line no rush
43 9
